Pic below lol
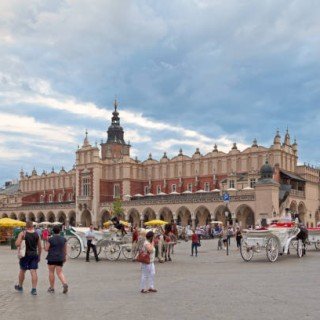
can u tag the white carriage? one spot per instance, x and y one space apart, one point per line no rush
108 242
314 237
274 241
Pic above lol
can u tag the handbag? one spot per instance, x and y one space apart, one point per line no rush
143 257
22 248
199 244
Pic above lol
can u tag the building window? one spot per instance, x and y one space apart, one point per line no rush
42 198
50 198
116 191
190 187
231 184
70 196
60 197
146 189
207 186
173 188
252 183
85 186
158 189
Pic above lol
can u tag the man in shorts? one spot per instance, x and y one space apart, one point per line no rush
32 256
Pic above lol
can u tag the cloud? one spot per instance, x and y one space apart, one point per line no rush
187 73
11 123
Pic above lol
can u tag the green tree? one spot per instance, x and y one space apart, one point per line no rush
117 207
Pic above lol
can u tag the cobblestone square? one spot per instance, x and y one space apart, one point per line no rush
211 286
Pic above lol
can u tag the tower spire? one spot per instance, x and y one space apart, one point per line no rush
115 104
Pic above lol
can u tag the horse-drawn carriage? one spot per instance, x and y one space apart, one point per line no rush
314 237
275 240
108 242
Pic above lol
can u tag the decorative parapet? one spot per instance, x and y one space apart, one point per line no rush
185 198
46 206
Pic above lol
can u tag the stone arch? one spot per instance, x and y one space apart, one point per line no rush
302 211
40 216
4 215
31 217
202 215
184 216
104 216
72 218
86 219
148 214
245 216
165 214
22 216
134 217
293 207
220 214
62 217
13 216
51 217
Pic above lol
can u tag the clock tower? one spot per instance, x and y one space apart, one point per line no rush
115 147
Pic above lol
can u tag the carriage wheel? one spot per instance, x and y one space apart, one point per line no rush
127 251
299 248
112 251
317 245
246 251
294 243
73 247
272 249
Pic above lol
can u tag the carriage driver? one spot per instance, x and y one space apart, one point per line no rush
118 225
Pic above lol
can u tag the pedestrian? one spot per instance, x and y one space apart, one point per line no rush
91 243
238 237
194 243
148 270
174 235
135 238
167 241
31 258
45 236
225 238
57 252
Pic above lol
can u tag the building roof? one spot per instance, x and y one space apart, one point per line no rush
10 190
292 175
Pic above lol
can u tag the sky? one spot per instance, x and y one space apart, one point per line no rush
186 73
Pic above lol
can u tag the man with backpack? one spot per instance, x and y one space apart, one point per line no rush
30 259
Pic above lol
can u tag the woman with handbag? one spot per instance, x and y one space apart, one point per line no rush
146 257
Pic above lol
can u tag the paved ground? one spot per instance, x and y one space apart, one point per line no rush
211 286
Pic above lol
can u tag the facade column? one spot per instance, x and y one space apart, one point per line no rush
193 223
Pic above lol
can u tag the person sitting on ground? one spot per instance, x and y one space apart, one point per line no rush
118 225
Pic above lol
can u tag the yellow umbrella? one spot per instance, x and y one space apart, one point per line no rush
109 223
11 223
155 223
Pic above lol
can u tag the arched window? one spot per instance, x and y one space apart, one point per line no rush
42 198
86 190
50 198
60 197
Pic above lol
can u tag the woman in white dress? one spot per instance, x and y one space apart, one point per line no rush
148 270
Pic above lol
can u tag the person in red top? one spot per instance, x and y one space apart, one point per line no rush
135 238
45 236
194 243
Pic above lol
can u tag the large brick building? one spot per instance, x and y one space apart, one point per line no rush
261 183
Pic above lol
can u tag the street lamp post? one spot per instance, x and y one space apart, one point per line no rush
227 216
